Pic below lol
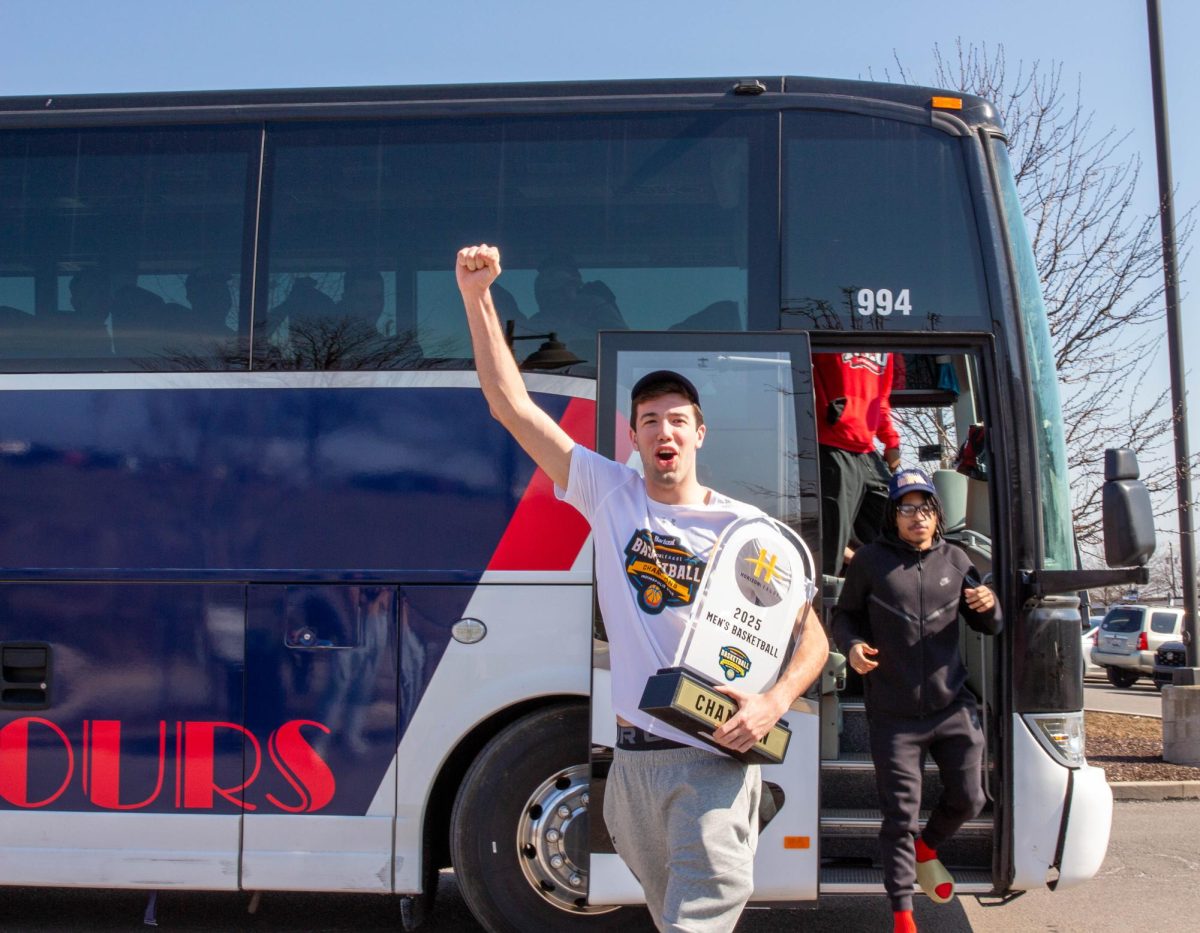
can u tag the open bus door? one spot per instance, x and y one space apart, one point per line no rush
761 448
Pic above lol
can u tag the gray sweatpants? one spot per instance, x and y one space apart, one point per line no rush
685 821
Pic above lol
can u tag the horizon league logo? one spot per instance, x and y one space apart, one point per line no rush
672 584
875 363
763 577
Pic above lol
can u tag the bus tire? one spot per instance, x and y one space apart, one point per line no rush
522 804
1119 677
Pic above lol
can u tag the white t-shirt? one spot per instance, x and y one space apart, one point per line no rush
645 602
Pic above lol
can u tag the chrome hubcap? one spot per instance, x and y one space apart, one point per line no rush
552 840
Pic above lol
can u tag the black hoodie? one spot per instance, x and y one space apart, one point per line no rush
906 602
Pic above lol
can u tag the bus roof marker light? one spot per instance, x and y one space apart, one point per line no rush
749 87
946 103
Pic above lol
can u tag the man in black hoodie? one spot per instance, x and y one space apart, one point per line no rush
897 623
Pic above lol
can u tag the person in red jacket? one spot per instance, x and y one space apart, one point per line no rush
852 412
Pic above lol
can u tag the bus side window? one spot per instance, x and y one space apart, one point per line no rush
325 319
132 242
173 321
17 318
580 209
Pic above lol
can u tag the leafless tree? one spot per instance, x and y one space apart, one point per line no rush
1099 259
1163 588
329 343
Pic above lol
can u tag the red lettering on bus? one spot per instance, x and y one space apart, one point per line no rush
301 766
197 786
199 779
102 764
14 762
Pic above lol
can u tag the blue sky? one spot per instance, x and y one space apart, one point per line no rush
79 46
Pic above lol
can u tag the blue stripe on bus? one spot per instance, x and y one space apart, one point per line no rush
395 480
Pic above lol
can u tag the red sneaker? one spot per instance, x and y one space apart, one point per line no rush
903 922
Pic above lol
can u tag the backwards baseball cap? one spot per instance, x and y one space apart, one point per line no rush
906 481
669 380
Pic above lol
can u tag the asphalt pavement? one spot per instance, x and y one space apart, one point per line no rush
1149 882
1139 700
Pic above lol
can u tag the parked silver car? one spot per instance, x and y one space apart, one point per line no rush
1129 636
1088 641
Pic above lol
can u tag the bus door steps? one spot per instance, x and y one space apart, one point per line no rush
861 761
866 820
838 879
854 736
853 833
848 782
854 742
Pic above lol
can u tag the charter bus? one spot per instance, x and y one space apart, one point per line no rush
282 608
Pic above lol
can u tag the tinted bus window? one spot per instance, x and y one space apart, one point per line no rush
878 227
122 250
605 224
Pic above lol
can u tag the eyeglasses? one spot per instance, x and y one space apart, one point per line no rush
908 510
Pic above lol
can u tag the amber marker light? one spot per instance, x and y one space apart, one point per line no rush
946 103
796 842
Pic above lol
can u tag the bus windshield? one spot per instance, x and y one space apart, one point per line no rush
879 230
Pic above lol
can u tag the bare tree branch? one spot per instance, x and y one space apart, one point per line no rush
1099 260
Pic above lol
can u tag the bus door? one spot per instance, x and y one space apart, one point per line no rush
321 692
939 409
760 447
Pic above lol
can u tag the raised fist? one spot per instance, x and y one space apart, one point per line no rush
477 268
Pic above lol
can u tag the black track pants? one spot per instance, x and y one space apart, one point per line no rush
853 498
899 746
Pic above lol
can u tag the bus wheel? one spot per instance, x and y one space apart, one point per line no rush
1119 677
518 832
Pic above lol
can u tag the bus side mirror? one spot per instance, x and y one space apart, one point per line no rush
1128 517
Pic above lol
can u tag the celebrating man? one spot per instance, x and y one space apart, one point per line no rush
683 817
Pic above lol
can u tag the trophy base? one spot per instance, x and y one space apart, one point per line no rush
690 704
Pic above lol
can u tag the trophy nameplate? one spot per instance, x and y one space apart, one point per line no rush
758 581
683 700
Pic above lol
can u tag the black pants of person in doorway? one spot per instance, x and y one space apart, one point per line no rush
854 494
954 738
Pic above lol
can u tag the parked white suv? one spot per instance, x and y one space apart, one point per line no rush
1125 643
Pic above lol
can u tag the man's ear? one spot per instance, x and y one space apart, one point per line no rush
700 432
633 438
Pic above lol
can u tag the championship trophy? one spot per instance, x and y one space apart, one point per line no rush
759 579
